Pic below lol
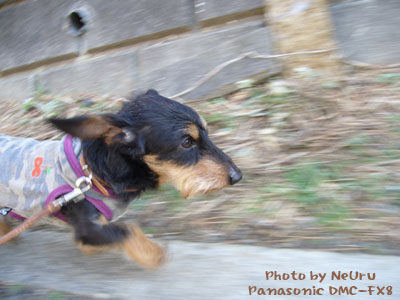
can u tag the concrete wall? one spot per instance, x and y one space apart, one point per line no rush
129 44
125 45
368 31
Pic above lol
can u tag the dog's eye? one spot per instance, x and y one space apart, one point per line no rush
187 142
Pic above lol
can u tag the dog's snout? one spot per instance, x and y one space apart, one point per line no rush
235 175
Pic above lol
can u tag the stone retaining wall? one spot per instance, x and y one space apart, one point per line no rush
116 46
368 31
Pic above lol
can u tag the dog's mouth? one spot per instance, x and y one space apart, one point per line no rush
197 190
205 177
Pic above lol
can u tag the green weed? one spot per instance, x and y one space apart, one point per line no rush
305 180
15 288
391 78
40 90
55 295
223 120
217 100
244 84
333 214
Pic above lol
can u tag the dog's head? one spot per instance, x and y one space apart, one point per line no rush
168 138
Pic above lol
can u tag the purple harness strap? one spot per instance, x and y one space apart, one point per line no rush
76 167
61 190
16 216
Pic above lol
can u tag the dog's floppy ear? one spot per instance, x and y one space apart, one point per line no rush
152 92
107 127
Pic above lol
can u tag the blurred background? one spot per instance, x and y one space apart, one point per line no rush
304 95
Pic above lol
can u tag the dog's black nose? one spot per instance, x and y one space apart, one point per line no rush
234 175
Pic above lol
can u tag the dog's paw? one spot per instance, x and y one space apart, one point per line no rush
143 250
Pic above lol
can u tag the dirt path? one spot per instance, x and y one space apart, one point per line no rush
45 259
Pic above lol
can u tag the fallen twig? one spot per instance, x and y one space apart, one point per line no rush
253 55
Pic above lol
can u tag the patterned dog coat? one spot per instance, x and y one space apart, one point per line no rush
34 173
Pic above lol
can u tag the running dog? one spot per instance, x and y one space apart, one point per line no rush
152 140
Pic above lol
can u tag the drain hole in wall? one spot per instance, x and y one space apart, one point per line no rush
77 22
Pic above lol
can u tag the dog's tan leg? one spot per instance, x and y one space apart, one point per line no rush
143 250
99 236
5 227
136 246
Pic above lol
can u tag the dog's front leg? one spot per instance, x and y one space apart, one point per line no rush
141 249
94 234
128 238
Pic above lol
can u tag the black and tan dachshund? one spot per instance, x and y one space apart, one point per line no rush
152 140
